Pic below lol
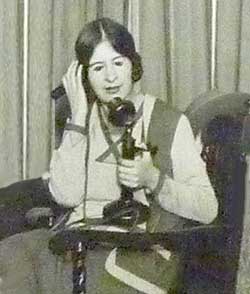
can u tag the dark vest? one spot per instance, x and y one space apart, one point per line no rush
160 138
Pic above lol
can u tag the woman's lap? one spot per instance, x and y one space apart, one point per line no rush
27 266
18 262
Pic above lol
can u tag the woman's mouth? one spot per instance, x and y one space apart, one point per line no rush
112 90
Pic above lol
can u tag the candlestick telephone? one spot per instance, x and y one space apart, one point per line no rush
125 211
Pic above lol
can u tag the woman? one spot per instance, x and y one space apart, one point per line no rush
86 174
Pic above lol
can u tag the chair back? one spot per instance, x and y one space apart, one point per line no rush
221 121
62 112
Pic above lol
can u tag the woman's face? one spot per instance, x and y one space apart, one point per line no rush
110 73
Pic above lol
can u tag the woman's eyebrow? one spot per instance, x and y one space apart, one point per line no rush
117 57
96 63
102 62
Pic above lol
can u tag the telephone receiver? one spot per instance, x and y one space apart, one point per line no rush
60 92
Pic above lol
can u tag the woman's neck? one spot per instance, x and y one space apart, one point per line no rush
136 97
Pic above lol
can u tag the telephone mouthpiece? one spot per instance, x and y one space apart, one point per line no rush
121 112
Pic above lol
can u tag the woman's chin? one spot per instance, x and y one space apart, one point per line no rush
108 100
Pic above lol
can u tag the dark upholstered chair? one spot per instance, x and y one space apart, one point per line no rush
17 214
222 121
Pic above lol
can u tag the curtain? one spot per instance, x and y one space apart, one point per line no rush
228 44
54 26
244 60
174 44
52 30
233 44
117 10
10 91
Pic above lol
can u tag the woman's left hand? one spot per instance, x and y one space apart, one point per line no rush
138 173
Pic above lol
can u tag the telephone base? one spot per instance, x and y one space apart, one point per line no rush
125 213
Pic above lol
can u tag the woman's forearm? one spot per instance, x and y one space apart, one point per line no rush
189 192
67 170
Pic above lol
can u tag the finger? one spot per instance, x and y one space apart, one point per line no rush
75 68
129 184
71 75
78 65
72 69
138 157
77 62
129 178
146 156
127 163
79 74
127 170
65 83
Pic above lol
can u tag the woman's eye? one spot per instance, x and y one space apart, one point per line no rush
98 68
119 63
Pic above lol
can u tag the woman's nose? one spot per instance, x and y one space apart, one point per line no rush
110 74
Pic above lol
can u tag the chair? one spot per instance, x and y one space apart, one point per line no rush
222 121
18 215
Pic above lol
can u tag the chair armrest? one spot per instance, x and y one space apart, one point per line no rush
38 217
197 239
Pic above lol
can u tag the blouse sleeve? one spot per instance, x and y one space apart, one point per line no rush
67 169
189 193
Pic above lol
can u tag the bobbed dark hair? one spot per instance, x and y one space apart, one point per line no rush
118 36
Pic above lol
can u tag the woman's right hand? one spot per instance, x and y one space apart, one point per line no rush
72 82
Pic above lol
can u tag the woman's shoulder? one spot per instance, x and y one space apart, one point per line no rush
161 109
